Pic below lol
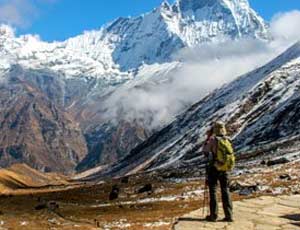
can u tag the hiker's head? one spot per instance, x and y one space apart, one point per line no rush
219 129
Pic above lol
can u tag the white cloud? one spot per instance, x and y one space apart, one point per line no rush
286 26
205 68
20 13
17 12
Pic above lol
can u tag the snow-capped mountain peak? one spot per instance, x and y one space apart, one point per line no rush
165 5
217 19
6 31
192 5
128 43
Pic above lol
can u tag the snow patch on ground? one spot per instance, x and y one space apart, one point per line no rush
185 196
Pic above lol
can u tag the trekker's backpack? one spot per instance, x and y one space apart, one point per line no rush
225 159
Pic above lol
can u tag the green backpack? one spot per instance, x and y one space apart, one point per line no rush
225 159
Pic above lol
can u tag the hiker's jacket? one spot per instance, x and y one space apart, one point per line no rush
210 148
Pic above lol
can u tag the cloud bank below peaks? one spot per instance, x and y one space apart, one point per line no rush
203 69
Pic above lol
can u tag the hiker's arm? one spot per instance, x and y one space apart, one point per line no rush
214 146
205 149
208 146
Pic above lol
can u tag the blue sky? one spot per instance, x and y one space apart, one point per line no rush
60 19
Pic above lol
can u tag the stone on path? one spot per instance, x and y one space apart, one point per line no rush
263 213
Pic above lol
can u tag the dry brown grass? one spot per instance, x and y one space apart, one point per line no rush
21 177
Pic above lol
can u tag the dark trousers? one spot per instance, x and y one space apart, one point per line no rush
213 177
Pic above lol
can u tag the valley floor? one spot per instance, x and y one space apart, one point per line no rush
87 206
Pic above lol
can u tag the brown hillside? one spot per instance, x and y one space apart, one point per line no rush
35 131
21 176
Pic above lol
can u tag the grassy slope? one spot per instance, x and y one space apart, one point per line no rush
21 176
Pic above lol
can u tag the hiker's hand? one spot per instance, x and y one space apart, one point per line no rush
206 181
218 164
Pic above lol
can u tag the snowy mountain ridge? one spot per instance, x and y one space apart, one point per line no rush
95 76
116 49
261 112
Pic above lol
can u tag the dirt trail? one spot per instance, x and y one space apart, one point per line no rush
264 213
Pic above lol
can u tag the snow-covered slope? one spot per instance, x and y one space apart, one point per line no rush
71 57
127 43
261 110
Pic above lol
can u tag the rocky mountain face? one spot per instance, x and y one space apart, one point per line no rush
34 129
80 76
260 109
110 143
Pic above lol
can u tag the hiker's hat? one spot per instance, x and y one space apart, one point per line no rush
219 128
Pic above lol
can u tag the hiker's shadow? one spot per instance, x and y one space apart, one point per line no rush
293 217
192 219
187 219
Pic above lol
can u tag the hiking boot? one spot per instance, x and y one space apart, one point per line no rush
227 219
211 219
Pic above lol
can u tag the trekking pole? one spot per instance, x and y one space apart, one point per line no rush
205 197
204 202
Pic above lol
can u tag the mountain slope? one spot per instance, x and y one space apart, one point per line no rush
259 108
21 176
87 77
34 129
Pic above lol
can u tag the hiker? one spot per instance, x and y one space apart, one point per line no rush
219 152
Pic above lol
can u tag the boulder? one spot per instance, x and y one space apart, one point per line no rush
263 162
243 189
52 205
40 207
146 188
125 180
114 193
282 160
285 177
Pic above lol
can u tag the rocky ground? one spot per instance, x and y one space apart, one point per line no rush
150 201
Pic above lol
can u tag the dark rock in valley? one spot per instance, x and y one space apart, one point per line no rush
40 207
114 193
282 160
146 188
285 177
243 189
125 180
263 162
52 206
